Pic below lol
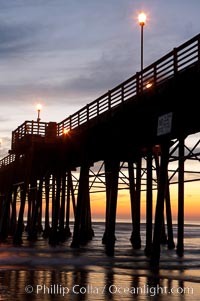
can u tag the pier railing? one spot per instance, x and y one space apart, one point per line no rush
157 73
7 160
29 128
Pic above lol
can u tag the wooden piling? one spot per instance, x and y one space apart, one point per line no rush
135 237
108 177
180 238
17 239
162 180
13 221
77 223
70 195
28 159
170 241
149 202
112 172
40 204
54 237
62 208
35 225
163 239
82 226
5 220
132 190
30 205
46 231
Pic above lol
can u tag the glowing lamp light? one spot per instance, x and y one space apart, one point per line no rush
39 107
142 18
65 131
149 85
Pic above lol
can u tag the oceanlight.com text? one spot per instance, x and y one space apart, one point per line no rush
59 289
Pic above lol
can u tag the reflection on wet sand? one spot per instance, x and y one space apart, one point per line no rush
91 283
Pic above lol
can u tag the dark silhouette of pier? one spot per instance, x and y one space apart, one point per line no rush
144 119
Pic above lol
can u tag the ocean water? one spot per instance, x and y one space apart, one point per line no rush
37 271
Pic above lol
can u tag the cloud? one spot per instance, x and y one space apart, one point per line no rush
5 144
68 53
4 118
93 79
15 39
101 75
65 50
48 50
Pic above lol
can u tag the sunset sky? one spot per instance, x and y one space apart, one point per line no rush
66 53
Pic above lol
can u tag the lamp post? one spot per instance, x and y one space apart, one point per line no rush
142 19
39 107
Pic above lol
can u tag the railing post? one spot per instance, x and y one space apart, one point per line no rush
32 127
70 122
88 112
198 45
78 119
122 93
180 238
98 108
155 75
137 83
13 139
57 129
109 100
175 62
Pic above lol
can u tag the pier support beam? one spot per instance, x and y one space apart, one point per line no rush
83 226
54 237
163 239
170 240
180 238
62 208
70 195
64 230
112 175
46 223
30 205
149 201
35 225
162 180
40 204
17 239
135 204
5 220
13 221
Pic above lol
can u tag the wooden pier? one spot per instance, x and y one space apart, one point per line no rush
141 126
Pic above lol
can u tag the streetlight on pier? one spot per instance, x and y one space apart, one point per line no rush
39 107
142 20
